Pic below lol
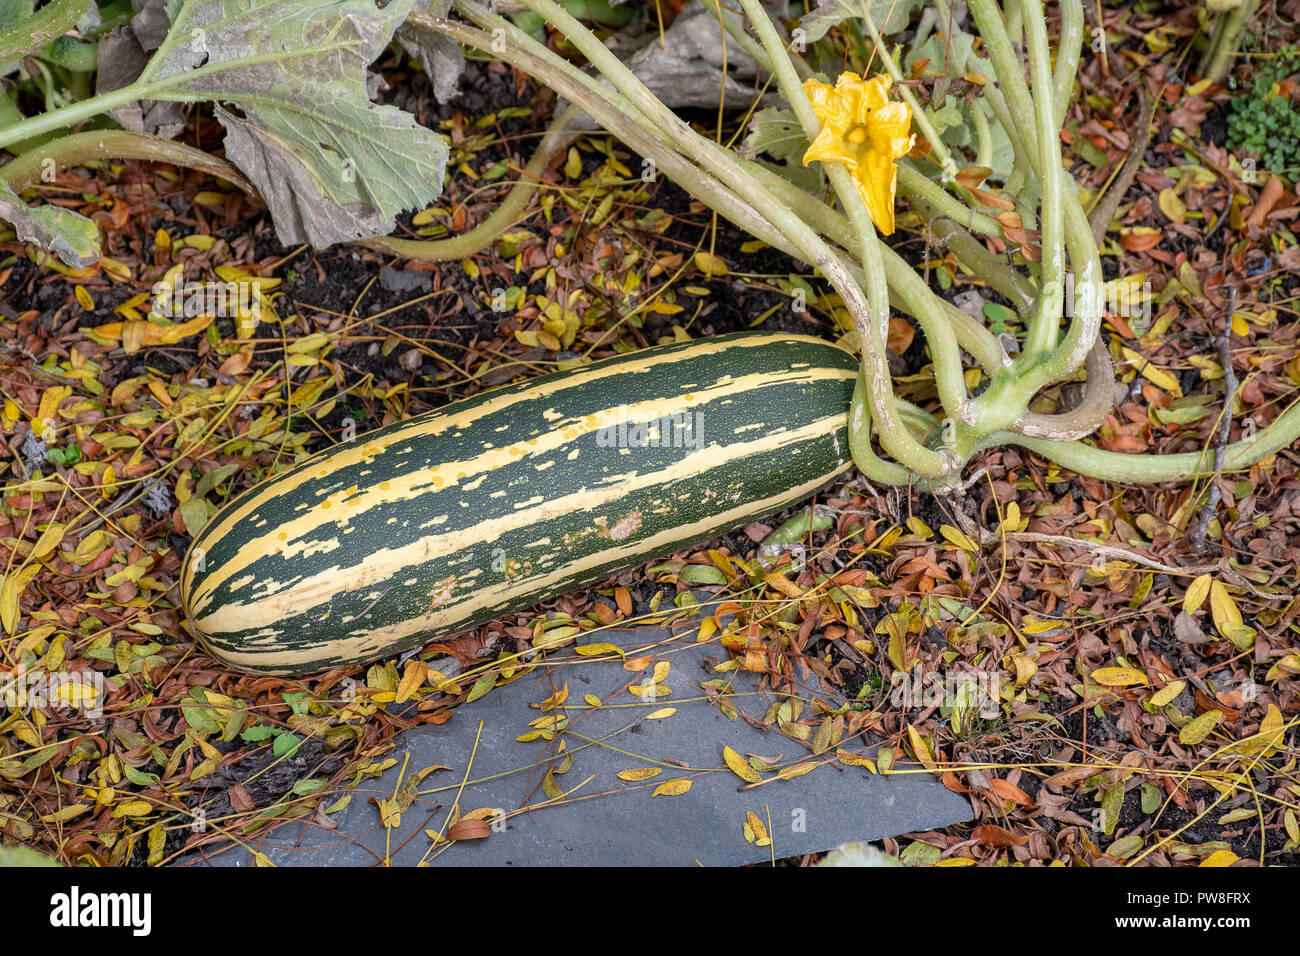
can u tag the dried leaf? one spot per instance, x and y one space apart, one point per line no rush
740 766
1118 676
672 788
1196 730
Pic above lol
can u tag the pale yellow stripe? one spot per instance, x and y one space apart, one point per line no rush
349 504
436 624
316 590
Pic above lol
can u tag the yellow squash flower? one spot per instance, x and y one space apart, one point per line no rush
867 132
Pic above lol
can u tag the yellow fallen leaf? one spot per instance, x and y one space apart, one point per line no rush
755 830
1196 593
780 582
1288 665
1167 693
412 677
1223 609
798 770
1118 676
1157 376
1220 858
594 650
672 788
11 590
661 713
133 808
639 773
1172 206
136 334
1194 731
740 766
958 537
47 413
920 748
1271 730
50 539
850 759
710 264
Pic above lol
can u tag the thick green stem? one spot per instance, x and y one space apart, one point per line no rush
77 148
1044 322
916 186
983 135
69 115
1098 401
1114 466
30 34
1010 72
972 255
1068 48
1224 43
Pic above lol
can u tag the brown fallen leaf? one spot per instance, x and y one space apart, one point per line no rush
1009 791
240 798
1268 198
1068 778
992 835
469 830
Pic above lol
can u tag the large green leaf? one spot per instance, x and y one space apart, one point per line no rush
777 133
889 16
73 238
439 56
331 165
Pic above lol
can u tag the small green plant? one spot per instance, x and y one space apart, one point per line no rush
1267 123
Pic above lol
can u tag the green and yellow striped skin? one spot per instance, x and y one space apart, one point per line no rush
455 517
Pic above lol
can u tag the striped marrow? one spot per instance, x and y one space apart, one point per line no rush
455 517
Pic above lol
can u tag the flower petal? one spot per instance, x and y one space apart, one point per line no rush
891 130
877 179
829 148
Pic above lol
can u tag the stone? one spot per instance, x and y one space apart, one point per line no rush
668 727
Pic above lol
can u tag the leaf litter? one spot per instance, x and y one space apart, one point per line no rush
1140 714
